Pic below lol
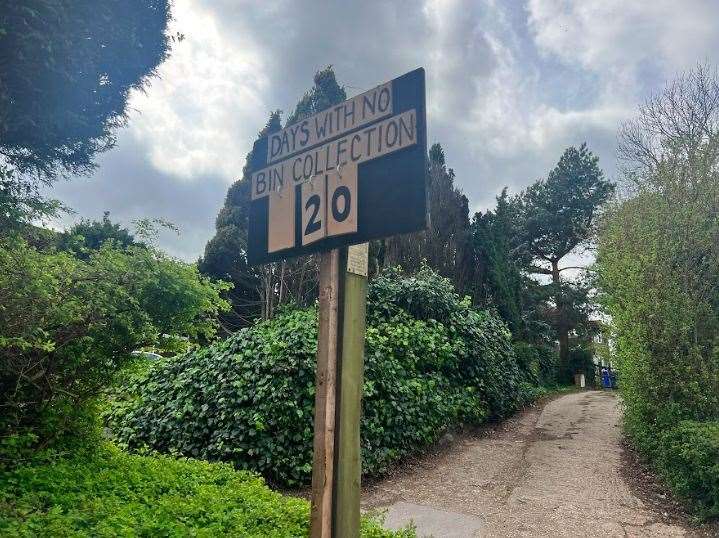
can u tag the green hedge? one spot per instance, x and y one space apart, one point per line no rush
68 323
106 492
658 275
431 363
688 459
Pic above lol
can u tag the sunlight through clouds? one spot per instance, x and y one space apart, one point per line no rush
203 112
510 85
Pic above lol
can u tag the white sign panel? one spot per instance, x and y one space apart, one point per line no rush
387 136
330 123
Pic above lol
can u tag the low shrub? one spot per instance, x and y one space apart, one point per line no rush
488 360
67 324
425 295
106 492
483 355
249 400
688 459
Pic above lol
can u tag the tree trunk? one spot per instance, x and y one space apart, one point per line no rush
560 321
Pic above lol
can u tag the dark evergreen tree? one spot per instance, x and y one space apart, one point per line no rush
444 245
92 235
555 219
500 279
67 69
259 290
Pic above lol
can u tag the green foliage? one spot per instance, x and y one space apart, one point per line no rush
557 213
657 268
501 278
688 459
122 394
90 235
21 202
483 353
658 271
67 324
529 234
413 390
425 295
226 257
444 244
431 363
324 93
68 68
538 364
106 492
500 282
554 217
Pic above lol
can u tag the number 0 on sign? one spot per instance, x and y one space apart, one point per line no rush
346 175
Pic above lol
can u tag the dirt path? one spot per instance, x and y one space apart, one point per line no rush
554 471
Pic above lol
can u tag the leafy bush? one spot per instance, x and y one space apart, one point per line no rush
250 399
67 324
657 265
689 461
123 392
107 492
537 363
483 355
425 295
538 367
488 361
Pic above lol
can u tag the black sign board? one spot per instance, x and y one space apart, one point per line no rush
346 175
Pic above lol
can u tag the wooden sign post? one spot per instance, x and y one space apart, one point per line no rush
337 469
351 378
329 184
328 342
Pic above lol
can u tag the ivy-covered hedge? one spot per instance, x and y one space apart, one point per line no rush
431 363
106 492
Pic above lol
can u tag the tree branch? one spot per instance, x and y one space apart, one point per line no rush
575 267
539 270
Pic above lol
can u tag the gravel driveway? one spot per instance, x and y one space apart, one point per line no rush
551 471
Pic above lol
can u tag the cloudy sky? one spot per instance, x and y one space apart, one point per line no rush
511 83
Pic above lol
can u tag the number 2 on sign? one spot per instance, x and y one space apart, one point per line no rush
329 205
313 211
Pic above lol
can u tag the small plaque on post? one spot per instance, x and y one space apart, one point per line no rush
358 259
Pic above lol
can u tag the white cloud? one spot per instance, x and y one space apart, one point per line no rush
201 115
623 40
509 86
